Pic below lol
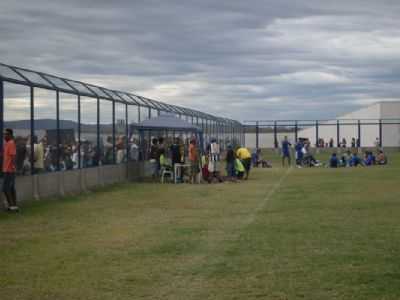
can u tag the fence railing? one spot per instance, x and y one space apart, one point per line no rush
325 133
68 124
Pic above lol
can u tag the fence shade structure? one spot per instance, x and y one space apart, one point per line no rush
355 133
82 124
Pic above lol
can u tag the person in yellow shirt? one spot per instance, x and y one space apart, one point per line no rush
245 157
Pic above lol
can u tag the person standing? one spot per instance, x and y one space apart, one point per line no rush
9 168
244 155
285 151
230 162
299 153
175 152
194 161
154 157
38 156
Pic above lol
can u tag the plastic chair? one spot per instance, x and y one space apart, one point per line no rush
166 172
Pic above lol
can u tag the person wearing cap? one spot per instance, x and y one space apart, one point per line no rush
245 157
9 169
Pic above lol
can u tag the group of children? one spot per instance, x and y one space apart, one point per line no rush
349 159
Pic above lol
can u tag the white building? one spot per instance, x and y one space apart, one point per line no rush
369 124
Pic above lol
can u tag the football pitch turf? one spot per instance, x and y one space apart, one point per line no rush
312 233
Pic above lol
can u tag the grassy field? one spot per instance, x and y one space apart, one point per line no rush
284 234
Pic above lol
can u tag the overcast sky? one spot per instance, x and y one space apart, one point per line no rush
240 59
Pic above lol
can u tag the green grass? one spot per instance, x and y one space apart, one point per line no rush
284 234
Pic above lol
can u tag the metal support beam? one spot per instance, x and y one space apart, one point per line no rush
1 114
296 129
275 135
79 132
126 132
337 133
98 130
257 135
32 154
113 133
58 130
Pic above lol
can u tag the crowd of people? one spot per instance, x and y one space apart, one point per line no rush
200 163
163 154
45 154
304 156
355 143
351 159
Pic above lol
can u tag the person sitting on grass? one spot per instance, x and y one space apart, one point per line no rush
381 158
355 161
264 163
369 159
333 162
239 168
343 161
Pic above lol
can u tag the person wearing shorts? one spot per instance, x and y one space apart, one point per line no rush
9 169
245 157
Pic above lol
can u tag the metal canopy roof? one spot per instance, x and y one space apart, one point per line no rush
47 81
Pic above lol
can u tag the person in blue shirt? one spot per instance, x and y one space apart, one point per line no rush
299 152
369 159
285 151
254 158
355 160
333 162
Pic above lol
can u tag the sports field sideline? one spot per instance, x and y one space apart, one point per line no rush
314 233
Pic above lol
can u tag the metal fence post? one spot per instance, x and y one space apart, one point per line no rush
1 114
295 131
98 130
380 133
358 142
32 154
113 132
126 133
275 135
316 134
79 132
338 134
257 134
58 129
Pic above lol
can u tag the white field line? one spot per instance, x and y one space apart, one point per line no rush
184 284
267 197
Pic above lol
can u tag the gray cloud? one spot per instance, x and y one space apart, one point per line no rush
246 60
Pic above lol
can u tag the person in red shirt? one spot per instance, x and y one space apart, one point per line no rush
9 154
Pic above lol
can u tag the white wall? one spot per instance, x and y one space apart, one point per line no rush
369 133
